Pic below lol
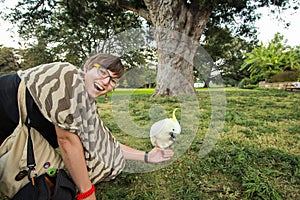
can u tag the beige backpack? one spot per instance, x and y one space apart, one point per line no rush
13 153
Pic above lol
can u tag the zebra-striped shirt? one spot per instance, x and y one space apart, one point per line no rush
59 91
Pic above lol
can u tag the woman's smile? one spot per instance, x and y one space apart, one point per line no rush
98 87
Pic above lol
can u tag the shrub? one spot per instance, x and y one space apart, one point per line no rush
269 75
250 86
285 76
247 83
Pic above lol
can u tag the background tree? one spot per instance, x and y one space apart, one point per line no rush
70 29
226 51
37 54
9 60
173 20
232 59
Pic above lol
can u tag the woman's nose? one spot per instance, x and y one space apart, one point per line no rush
106 80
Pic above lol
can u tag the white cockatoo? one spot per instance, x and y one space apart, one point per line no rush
163 133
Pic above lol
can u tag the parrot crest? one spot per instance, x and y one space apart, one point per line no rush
174 116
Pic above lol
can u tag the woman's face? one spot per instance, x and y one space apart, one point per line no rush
97 85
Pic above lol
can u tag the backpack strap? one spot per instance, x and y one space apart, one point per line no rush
22 102
25 119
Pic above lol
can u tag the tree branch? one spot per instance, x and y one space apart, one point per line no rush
142 12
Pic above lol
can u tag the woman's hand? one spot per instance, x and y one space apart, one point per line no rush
157 155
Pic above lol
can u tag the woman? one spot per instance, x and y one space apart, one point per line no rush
60 100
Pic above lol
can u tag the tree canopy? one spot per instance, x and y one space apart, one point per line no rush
71 29
9 60
78 27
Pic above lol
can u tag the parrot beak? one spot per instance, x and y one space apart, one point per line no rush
173 136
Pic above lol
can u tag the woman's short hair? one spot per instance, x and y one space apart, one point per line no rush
110 62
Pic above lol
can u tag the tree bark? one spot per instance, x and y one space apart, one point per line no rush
178 26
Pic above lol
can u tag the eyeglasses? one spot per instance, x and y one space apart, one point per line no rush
103 72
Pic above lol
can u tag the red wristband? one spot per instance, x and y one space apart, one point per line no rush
86 194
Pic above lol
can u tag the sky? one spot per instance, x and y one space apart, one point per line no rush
267 27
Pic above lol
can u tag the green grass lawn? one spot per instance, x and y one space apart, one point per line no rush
256 157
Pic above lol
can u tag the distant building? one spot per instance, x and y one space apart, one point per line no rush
199 85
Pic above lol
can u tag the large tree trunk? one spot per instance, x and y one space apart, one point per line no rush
178 26
174 75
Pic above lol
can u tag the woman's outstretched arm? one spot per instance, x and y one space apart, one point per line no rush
156 155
